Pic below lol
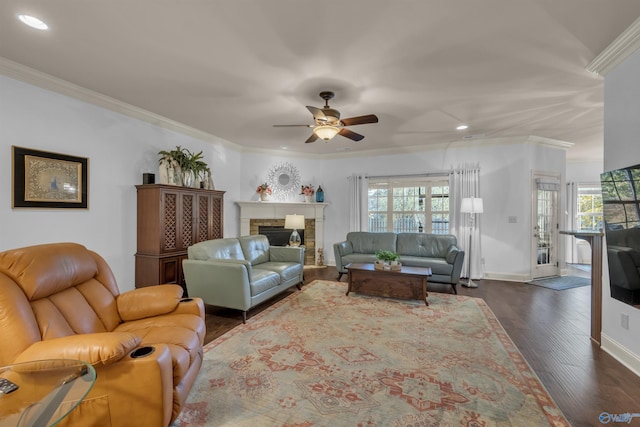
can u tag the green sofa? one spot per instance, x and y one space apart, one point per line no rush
241 272
437 251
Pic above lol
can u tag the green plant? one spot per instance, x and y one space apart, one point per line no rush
387 256
185 159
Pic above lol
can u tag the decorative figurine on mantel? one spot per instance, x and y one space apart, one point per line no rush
320 257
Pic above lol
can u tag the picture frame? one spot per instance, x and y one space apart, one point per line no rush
43 179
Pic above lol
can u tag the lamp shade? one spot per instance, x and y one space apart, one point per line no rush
295 222
326 132
471 205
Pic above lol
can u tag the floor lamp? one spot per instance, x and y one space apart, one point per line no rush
472 206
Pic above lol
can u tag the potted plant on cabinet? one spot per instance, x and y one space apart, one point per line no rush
183 166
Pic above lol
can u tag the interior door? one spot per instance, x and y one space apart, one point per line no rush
546 227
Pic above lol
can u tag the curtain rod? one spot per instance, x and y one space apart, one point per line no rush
420 175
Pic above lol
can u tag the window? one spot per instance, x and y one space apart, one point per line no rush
589 210
409 205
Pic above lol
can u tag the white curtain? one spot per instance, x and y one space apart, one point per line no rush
357 203
465 182
572 222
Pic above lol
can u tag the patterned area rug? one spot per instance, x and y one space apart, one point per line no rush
320 358
561 283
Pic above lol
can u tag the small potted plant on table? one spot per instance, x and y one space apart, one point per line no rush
387 260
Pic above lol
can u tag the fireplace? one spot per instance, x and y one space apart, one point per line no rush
260 214
278 235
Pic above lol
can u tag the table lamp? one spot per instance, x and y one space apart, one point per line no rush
295 222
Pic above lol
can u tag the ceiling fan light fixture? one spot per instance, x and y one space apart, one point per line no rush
326 132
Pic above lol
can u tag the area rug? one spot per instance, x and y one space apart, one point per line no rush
321 358
561 283
583 267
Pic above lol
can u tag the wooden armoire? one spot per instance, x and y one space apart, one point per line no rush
170 219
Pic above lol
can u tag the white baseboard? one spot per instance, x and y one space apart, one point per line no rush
620 353
507 277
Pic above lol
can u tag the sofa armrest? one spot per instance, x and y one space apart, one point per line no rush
191 305
452 252
286 254
97 348
341 249
148 301
455 257
224 282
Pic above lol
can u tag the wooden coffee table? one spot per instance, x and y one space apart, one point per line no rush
408 282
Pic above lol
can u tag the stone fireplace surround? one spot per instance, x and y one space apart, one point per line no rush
254 214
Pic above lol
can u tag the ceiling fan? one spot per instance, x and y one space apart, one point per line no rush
328 123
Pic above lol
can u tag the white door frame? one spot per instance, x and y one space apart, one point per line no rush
552 268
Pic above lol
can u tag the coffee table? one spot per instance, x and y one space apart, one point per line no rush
408 282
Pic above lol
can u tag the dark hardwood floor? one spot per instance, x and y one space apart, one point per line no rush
551 329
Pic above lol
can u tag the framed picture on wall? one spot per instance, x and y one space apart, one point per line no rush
48 180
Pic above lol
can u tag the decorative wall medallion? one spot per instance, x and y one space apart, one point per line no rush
284 179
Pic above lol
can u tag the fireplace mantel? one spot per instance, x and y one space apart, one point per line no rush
278 210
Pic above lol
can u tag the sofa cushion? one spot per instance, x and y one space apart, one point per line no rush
357 258
255 248
369 243
286 270
437 265
219 248
425 245
263 280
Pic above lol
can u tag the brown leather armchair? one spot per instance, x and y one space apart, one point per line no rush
61 301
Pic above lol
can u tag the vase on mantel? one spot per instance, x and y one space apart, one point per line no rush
307 199
264 197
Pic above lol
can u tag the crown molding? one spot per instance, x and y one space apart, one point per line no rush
37 78
623 46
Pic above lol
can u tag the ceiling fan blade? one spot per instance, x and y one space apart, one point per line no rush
350 134
360 120
318 114
312 138
292 126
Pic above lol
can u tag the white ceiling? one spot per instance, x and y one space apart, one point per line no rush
235 68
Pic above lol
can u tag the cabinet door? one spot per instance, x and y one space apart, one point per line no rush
170 270
187 219
203 218
208 217
216 224
170 220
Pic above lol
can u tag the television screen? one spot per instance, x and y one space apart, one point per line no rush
621 213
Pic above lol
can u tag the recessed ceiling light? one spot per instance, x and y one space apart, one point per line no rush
33 22
462 127
284 147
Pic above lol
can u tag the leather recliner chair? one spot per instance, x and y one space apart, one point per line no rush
61 301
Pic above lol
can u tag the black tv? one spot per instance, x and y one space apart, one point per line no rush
621 214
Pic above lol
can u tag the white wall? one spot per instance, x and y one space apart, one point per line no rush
505 186
621 148
586 172
119 149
